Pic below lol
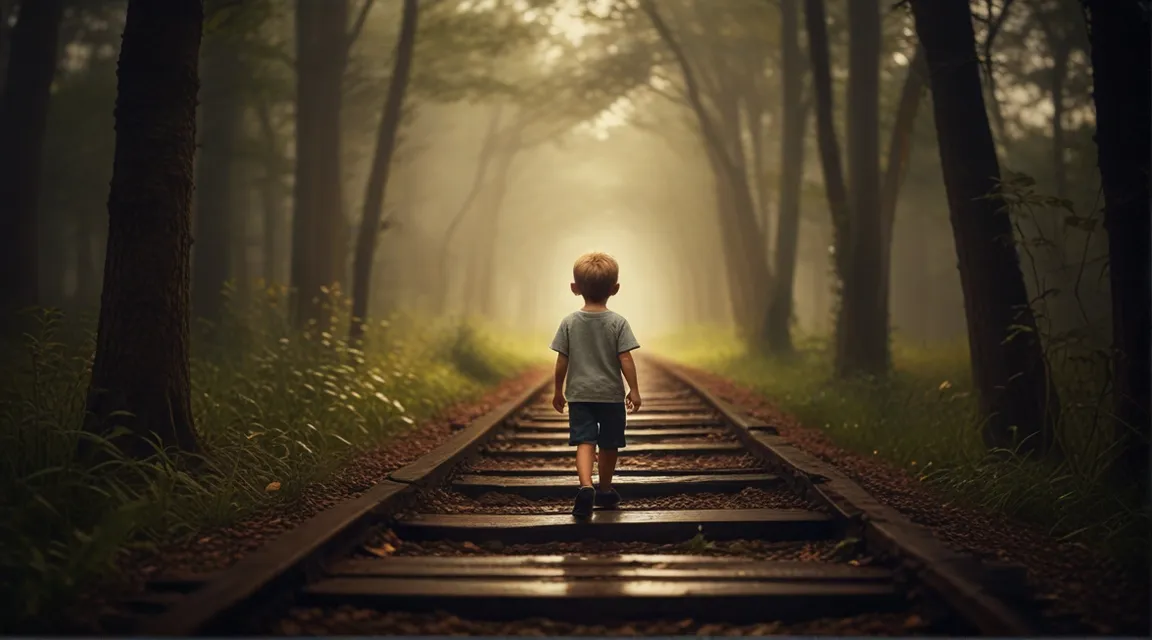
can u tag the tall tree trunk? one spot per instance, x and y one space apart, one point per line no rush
6 7
141 365
381 167
899 150
221 113
1016 396
1121 68
865 346
779 316
321 57
834 185
23 117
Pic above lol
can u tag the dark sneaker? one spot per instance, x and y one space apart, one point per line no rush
607 499
585 498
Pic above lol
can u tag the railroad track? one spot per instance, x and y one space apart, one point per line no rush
722 522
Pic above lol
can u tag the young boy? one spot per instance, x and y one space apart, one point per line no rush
594 347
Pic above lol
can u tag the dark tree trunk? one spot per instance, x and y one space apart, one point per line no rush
381 167
23 117
779 316
1016 396
829 147
899 149
141 364
321 57
6 7
865 345
1121 68
222 113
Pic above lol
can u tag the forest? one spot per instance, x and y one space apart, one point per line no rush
244 241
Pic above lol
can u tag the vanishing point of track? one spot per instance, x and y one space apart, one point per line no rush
722 521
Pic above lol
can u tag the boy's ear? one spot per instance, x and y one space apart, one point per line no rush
575 289
615 289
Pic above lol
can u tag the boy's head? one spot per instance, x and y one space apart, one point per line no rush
594 276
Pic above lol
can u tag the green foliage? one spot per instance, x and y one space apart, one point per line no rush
925 420
270 407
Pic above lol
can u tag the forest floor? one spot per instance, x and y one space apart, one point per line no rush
215 549
1107 592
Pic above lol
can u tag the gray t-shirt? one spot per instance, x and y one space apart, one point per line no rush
593 342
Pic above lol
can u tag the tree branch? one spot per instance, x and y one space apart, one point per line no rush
358 26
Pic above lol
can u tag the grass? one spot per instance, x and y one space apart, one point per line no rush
923 419
275 410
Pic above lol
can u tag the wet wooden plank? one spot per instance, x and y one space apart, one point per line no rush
541 487
632 427
570 470
561 451
641 526
617 567
633 435
617 599
663 419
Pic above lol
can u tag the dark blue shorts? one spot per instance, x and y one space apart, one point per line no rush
599 423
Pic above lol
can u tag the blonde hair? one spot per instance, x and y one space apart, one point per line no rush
595 274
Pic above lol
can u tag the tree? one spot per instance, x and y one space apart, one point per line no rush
717 89
829 145
322 43
381 166
141 365
779 316
221 123
864 348
899 149
23 114
1017 397
1121 68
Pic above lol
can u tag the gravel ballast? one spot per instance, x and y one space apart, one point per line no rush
1075 581
442 501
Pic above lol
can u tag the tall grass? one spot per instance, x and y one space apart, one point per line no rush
275 410
924 419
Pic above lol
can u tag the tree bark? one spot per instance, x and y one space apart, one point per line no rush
1016 395
221 113
141 364
829 146
381 168
864 349
1121 67
779 316
321 58
23 118
899 150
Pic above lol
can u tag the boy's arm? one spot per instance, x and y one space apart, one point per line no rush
628 367
561 373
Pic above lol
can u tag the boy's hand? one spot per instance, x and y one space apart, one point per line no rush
633 401
558 402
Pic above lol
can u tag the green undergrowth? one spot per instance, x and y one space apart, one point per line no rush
924 419
275 410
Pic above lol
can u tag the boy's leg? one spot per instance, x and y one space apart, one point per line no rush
607 467
612 418
585 454
582 435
